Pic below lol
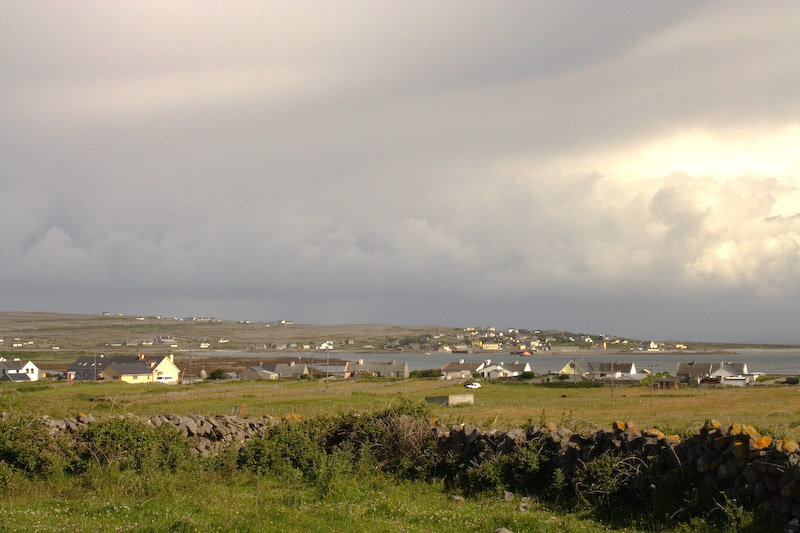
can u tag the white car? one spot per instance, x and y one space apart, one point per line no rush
472 385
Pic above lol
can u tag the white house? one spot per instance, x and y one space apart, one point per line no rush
732 374
16 369
601 370
503 370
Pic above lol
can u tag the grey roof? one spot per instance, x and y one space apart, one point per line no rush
284 369
380 368
609 367
260 370
517 367
15 377
131 369
694 369
458 367
13 365
89 361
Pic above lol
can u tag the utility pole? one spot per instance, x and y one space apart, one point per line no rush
612 379
652 388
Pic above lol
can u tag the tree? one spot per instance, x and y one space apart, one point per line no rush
217 373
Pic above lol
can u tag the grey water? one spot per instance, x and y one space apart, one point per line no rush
771 361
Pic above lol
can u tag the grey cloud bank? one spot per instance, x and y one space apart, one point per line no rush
630 167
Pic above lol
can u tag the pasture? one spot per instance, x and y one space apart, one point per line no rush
774 410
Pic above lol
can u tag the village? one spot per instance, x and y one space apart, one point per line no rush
142 369
170 358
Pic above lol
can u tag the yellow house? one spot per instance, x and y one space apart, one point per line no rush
164 368
128 373
141 369
490 345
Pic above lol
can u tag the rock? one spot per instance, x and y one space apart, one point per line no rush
508 496
502 530
760 442
457 499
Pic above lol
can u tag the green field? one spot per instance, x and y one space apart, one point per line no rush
774 410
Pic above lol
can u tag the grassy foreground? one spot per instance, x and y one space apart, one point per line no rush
375 471
242 502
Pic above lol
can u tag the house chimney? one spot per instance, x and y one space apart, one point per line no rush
291 363
140 356
461 361
360 361
171 358
488 361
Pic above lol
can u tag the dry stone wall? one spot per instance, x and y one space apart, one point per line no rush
736 459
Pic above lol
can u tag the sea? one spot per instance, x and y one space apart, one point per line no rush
768 361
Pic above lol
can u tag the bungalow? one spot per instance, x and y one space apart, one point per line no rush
733 374
391 369
333 370
503 370
271 371
161 367
16 369
128 373
256 373
615 370
460 370
580 368
693 372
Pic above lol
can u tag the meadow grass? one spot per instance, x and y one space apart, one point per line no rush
771 409
246 502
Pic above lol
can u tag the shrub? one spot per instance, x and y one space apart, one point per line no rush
128 444
26 446
428 373
397 438
607 481
288 449
217 373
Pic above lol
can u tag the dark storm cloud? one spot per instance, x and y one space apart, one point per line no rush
416 162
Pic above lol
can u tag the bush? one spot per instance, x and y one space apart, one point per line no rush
128 444
25 446
607 481
397 438
217 373
429 373
288 449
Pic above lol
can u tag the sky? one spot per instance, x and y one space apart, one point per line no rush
628 167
